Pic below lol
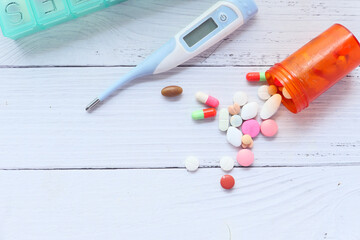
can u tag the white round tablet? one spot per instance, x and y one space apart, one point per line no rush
227 163
236 121
263 92
240 98
192 163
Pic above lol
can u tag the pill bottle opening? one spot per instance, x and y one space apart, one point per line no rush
315 67
350 33
298 100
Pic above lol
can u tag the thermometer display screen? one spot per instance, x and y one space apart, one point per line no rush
200 32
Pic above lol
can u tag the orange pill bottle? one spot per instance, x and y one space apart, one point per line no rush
315 67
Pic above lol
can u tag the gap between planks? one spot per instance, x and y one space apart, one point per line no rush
354 164
124 66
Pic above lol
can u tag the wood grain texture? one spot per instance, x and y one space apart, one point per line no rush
286 203
126 33
304 184
44 125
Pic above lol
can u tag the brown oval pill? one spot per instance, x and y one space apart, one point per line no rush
171 91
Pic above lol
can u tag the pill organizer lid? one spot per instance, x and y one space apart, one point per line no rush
247 7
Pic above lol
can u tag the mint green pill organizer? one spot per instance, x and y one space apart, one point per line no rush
19 18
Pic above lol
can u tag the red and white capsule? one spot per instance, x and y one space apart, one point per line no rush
206 99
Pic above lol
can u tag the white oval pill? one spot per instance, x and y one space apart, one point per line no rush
271 106
249 111
233 136
223 119
286 94
192 163
263 92
236 121
240 98
227 163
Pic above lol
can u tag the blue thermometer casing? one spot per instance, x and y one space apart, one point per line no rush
215 24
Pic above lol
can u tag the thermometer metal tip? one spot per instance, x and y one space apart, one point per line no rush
92 104
213 25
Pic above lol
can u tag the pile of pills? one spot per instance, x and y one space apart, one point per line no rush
246 128
239 122
265 91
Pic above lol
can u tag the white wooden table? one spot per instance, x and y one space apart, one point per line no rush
118 172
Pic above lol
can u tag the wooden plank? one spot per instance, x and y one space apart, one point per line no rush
288 203
125 34
43 123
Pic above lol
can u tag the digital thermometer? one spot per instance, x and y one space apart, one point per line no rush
212 26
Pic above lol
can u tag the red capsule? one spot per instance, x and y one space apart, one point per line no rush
255 76
205 113
209 112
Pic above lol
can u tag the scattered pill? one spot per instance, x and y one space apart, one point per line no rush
240 98
236 121
234 109
233 136
223 119
246 139
192 163
286 93
205 113
171 91
206 99
227 181
251 127
263 92
227 163
272 90
255 76
271 106
269 128
247 146
249 110
245 157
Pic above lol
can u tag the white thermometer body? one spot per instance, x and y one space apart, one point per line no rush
212 26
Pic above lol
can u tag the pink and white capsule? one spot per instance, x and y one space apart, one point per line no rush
206 99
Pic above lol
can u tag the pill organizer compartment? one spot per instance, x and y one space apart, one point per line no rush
19 18
50 12
16 19
81 7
